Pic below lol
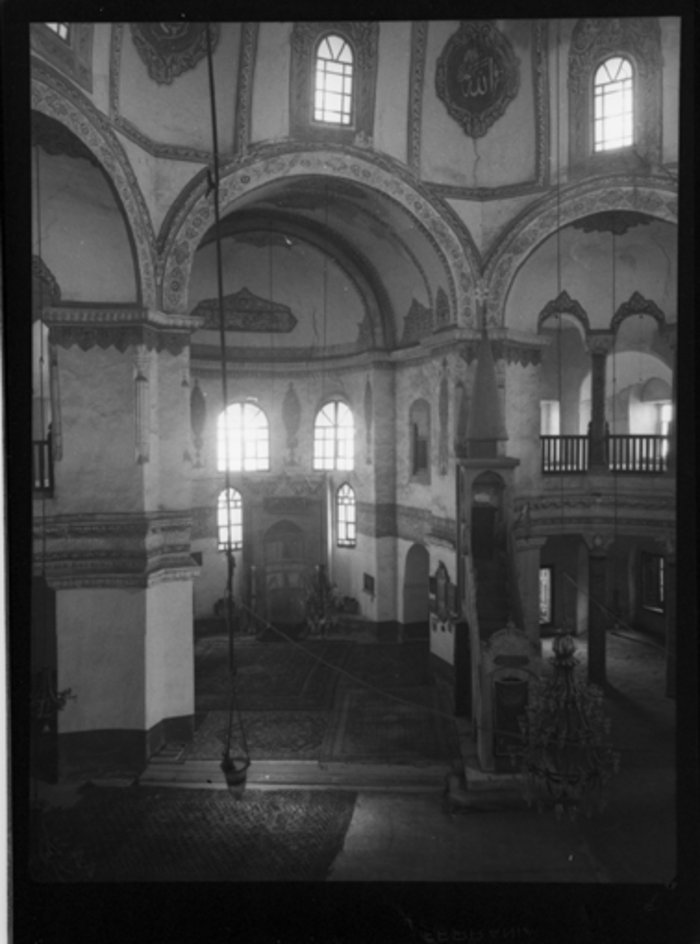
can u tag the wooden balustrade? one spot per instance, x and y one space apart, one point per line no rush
633 453
564 454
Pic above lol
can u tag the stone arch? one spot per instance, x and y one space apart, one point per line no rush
190 219
654 196
563 304
51 96
637 305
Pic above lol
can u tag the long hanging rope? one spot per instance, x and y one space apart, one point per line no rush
610 439
224 392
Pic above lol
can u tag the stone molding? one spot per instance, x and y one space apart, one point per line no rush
507 348
244 88
192 216
419 36
655 196
61 101
563 304
120 328
113 549
542 144
637 305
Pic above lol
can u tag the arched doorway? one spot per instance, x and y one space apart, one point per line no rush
416 593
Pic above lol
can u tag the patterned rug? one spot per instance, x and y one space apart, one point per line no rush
388 665
279 677
371 728
144 834
270 735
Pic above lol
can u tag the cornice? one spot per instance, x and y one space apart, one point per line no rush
120 328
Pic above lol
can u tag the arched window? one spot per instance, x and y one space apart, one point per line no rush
230 520
334 437
347 516
243 437
613 105
333 92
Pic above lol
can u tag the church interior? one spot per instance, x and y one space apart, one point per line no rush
354 396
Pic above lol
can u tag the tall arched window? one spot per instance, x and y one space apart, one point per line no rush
347 516
333 92
243 437
230 520
613 105
334 437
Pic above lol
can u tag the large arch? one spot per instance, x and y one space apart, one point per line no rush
654 196
65 104
190 219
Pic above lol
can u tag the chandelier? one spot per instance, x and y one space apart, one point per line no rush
567 759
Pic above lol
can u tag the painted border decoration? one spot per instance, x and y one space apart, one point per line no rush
169 49
477 76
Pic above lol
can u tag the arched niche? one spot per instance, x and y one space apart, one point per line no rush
416 591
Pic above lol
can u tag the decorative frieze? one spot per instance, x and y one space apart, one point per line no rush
387 519
637 305
120 328
291 415
419 35
564 304
506 349
244 88
244 311
123 549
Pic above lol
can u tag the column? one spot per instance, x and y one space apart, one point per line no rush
115 542
599 346
597 606
528 564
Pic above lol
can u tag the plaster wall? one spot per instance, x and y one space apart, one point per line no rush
448 155
98 471
101 40
79 232
270 107
169 432
522 418
670 50
322 297
347 569
101 657
210 585
391 106
180 112
169 652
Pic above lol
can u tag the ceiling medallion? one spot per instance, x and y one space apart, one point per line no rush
477 76
169 49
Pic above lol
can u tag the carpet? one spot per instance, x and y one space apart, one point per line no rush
371 728
391 665
281 677
143 834
270 735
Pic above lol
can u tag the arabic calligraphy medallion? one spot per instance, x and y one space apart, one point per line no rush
477 76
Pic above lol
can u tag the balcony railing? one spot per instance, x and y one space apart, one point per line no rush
564 454
638 453
628 453
42 466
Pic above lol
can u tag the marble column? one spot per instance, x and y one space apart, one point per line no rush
599 346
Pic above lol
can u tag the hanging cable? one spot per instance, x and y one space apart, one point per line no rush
232 773
610 437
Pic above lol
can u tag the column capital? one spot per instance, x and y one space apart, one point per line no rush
598 542
599 342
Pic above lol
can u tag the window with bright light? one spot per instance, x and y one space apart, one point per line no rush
613 105
334 437
546 581
549 417
653 579
60 29
347 516
230 520
243 439
334 77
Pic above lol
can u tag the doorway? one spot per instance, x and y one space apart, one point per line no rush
416 594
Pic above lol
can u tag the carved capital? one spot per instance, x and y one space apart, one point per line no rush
600 343
120 328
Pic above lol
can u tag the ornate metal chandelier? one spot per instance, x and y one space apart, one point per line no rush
567 758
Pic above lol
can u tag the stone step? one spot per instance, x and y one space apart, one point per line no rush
302 774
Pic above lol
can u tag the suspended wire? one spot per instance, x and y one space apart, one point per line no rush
609 438
227 451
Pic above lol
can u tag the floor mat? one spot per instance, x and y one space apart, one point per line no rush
145 834
371 728
270 735
270 676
